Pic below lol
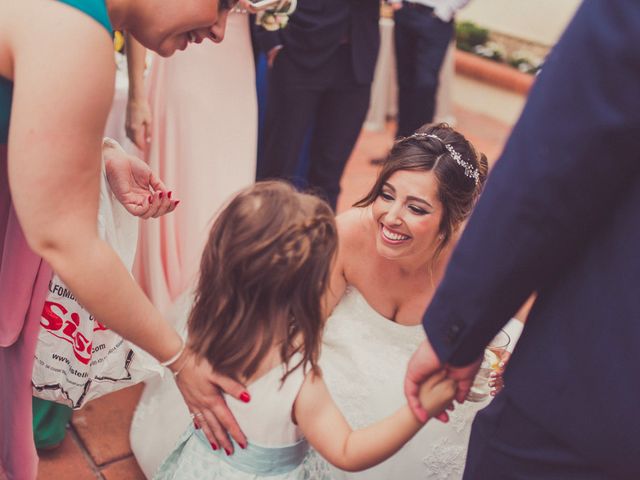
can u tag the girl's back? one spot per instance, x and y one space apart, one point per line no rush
276 449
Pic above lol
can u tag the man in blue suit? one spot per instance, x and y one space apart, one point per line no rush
560 216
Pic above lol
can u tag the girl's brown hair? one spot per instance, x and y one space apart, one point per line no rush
264 271
430 149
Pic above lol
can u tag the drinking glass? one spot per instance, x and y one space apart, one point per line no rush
490 362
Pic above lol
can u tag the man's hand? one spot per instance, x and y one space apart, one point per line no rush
423 364
134 184
464 376
272 54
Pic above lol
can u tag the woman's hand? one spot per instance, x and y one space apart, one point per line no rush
202 390
138 122
134 184
496 379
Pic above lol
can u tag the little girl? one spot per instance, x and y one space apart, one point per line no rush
258 318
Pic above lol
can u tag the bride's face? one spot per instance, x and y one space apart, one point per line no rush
407 214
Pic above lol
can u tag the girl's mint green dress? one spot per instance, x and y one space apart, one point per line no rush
277 449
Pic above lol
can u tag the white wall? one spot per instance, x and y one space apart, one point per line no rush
540 21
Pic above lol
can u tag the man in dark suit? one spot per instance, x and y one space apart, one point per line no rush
322 67
423 31
560 216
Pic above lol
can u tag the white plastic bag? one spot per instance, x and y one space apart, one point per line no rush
77 358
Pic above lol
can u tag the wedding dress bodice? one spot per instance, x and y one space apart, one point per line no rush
364 360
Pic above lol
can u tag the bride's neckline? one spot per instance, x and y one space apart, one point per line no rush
352 290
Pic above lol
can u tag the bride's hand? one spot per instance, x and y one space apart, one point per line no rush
496 379
201 388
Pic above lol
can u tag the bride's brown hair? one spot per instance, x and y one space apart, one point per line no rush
263 274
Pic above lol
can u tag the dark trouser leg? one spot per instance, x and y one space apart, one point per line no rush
421 45
505 444
290 107
341 113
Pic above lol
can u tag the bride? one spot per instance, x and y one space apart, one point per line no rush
394 245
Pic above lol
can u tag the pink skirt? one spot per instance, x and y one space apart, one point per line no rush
24 279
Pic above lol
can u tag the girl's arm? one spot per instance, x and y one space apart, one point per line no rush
138 117
328 432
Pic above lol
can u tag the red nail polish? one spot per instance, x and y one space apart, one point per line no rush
244 396
195 424
160 195
169 195
150 198
228 452
177 202
214 446
242 445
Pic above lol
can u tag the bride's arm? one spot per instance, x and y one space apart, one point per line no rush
350 240
326 429
338 280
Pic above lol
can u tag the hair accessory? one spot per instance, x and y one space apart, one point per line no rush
469 170
172 360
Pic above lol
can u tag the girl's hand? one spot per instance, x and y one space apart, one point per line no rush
138 122
496 380
437 394
134 184
202 390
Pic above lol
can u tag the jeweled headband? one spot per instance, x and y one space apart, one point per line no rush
469 170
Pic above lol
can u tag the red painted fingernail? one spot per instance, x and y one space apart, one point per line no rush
228 452
195 424
177 202
242 446
214 446
244 396
150 198
160 195
169 195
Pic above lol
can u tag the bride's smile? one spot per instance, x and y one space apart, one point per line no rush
408 213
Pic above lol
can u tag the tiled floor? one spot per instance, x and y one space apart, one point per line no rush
97 444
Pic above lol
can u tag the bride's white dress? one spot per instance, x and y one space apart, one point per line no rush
364 359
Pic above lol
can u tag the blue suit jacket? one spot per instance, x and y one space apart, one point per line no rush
560 215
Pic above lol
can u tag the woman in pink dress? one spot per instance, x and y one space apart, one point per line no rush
197 123
56 86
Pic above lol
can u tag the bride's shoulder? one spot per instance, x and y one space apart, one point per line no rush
354 227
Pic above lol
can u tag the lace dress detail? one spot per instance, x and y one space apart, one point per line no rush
364 359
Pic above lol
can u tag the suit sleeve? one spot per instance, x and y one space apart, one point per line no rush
568 161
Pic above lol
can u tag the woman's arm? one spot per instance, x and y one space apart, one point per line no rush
138 117
59 113
328 432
